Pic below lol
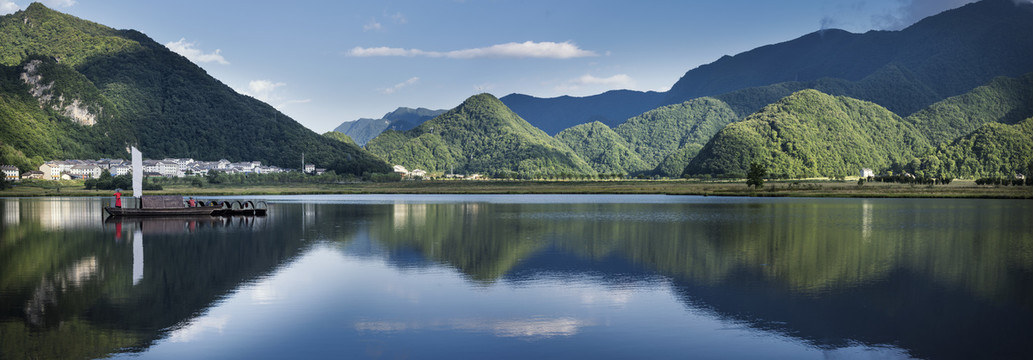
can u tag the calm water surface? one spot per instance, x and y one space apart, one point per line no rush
389 277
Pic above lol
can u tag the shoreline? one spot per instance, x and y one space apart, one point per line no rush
793 188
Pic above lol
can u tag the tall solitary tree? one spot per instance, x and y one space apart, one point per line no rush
755 177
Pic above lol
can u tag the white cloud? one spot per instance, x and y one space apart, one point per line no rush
399 86
616 80
483 88
267 92
7 7
284 104
619 81
398 18
527 49
263 89
59 3
189 51
372 25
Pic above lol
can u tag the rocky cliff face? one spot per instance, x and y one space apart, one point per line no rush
74 109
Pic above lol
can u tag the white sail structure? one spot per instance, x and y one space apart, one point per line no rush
137 172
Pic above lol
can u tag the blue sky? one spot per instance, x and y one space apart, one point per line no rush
325 62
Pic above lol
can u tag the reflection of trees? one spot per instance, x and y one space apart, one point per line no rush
481 245
829 271
808 246
70 294
912 272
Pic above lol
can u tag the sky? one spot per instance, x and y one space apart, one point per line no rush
326 62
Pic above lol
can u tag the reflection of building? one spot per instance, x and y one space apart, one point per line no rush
11 212
65 213
866 219
409 214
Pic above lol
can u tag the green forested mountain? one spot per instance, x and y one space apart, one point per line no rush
482 136
603 149
339 137
679 130
67 119
1003 100
811 134
93 90
993 150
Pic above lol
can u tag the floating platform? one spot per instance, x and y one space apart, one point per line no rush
175 205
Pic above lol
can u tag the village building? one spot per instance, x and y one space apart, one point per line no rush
33 175
170 167
86 171
120 170
418 173
401 170
867 173
10 172
50 171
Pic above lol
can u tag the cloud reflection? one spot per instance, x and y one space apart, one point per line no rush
523 328
199 327
867 352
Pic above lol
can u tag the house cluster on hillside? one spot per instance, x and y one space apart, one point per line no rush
86 169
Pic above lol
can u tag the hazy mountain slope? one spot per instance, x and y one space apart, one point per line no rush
483 136
812 134
401 119
553 115
142 92
603 148
363 130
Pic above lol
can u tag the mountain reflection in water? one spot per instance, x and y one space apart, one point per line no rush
899 278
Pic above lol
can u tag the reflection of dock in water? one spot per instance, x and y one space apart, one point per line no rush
172 225
165 226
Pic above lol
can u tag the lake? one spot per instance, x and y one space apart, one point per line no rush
522 276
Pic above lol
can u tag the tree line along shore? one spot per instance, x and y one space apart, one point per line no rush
770 188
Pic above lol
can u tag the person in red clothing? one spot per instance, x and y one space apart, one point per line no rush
192 202
118 198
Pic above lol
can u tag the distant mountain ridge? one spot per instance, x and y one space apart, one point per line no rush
556 114
73 88
483 136
905 71
365 129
